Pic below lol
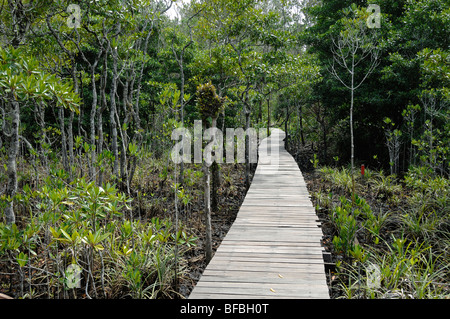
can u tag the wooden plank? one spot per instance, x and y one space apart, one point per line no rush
267 249
272 260
270 249
279 267
279 284
304 291
273 249
281 245
285 276
259 236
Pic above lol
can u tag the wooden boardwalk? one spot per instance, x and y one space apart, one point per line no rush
273 249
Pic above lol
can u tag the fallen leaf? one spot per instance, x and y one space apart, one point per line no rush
272 290
280 275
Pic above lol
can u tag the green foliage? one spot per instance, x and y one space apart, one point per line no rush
346 227
22 79
406 271
385 186
387 249
253 51
414 57
85 225
339 178
429 205
315 161
209 103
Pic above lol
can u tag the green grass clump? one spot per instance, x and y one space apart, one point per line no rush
385 248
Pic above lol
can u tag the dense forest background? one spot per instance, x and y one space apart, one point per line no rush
90 92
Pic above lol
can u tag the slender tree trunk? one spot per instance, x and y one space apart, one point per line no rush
124 137
40 119
247 148
321 119
70 124
215 168
70 143
352 155
137 120
300 122
13 151
100 144
123 156
286 125
268 116
112 116
92 124
207 191
260 112
208 243
182 112
99 115
63 139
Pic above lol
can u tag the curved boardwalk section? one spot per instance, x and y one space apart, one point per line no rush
273 249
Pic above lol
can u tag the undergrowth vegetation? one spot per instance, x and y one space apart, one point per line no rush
393 240
81 240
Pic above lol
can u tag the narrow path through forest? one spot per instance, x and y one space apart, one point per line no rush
273 249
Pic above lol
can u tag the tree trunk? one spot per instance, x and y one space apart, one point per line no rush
260 118
182 111
247 149
208 242
124 137
92 124
215 168
99 115
13 151
100 143
112 117
300 122
123 155
352 145
286 125
268 116
137 120
70 143
40 119
207 191
63 139
70 124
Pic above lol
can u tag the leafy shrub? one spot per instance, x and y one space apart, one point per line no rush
346 226
407 270
385 186
407 260
432 193
339 178
86 226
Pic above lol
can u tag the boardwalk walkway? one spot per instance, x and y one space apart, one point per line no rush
273 249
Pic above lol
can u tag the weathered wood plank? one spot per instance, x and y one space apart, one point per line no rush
286 277
272 260
280 267
273 249
248 244
301 291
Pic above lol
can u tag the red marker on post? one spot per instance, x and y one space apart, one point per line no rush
362 169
